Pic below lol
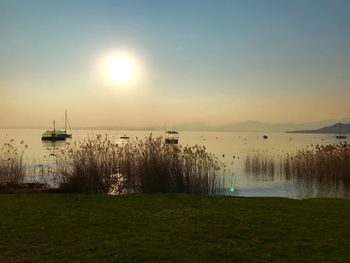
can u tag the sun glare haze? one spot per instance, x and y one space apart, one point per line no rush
120 70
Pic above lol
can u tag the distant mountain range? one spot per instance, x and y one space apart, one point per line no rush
335 128
245 126
256 126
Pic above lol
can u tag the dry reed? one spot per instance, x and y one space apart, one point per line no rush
326 164
12 167
260 164
143 165
315 170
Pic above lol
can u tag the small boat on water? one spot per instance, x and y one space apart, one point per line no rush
171 137
122 140
57 135
340 136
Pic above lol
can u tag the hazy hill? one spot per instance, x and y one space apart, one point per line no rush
256 126
345 129
245 126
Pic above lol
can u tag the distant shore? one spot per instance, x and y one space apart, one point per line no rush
338 128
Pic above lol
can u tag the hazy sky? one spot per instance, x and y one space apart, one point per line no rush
198 61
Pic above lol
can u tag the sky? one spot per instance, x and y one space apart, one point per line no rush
214 62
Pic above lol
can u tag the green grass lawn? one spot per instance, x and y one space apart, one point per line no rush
172 228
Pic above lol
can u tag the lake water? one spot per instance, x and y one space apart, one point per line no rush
230 147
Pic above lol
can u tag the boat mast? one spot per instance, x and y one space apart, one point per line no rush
65 120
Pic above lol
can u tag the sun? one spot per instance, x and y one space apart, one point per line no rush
121 69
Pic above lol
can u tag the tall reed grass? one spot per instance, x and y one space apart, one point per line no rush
12 166
89 166
260 164
143 165
324 163
320 170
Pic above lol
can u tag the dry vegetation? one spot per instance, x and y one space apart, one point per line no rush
329 163
261 164
321 166
150 166
12 167
144 165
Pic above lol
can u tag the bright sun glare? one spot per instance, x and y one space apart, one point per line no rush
120 69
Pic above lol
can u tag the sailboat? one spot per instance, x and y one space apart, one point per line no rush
171 136
340 136
57 135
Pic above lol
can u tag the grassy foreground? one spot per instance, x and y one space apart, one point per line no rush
172 228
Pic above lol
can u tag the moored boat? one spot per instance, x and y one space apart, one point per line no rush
57 135
340 136
171 137
124 137
54 135
122 140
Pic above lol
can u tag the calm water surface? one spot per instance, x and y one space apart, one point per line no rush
230 147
